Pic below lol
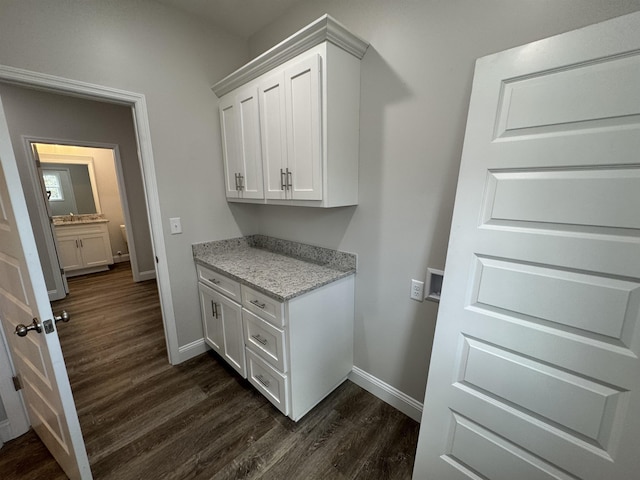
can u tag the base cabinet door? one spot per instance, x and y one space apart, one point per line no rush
222 325
231 314
211 322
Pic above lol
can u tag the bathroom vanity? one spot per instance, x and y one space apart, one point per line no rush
83 244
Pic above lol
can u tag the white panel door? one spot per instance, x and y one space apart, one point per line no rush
304 128
273 128
535 371
230 144
250 153
23 296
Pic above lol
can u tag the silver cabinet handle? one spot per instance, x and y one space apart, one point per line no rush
214 309
258 304
81 245
289 180
264 382
241 177
77 245
237 183
214 281
283 186
259 339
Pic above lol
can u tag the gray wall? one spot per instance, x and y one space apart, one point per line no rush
173 59
416 81
42 114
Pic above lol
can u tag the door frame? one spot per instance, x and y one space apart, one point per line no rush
137 101
138 276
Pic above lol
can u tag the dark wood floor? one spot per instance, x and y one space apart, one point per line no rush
142 418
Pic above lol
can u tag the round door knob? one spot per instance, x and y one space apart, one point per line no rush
22 330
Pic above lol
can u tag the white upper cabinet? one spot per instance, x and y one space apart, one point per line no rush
241 151
290 121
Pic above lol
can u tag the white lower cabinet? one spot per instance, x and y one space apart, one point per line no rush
222 325
294 352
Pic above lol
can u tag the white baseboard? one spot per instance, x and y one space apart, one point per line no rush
5 431
385 392
191 350
147 275
121 258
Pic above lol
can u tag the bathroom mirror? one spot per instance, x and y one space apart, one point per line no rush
70 184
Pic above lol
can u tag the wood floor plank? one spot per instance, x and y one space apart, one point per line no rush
143 418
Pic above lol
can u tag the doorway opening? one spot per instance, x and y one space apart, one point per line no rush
89 216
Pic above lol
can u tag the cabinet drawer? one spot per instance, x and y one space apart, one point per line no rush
267 341
263 306
271 383
219 282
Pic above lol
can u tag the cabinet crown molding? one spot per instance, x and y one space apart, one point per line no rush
324 29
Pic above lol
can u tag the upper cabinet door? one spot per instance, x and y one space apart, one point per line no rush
230 155
250 154
273 127
304 128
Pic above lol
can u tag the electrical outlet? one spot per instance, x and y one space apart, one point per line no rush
417 290
176 225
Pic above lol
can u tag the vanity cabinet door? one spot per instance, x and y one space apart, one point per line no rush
69 253
95 249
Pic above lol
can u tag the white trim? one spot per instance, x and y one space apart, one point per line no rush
146 275
385 392
193 349
143 133
324 29
124 257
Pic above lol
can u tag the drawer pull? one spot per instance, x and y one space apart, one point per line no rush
214 309
259 339
258 304
261 379
214 281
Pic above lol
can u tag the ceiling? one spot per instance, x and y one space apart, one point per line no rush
241 17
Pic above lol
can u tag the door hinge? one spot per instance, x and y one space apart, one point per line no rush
16 383
38 164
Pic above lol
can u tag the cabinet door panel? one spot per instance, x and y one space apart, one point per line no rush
233 335
95 250
211 323
229 127
304 124
273 127
250 154
69 253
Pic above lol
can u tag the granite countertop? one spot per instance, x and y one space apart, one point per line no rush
79 219
278 268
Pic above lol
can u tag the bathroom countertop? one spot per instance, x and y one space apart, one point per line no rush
278 268
80 219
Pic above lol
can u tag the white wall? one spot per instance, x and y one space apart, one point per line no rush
171 58
416 80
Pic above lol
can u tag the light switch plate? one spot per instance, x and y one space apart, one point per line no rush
176 225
